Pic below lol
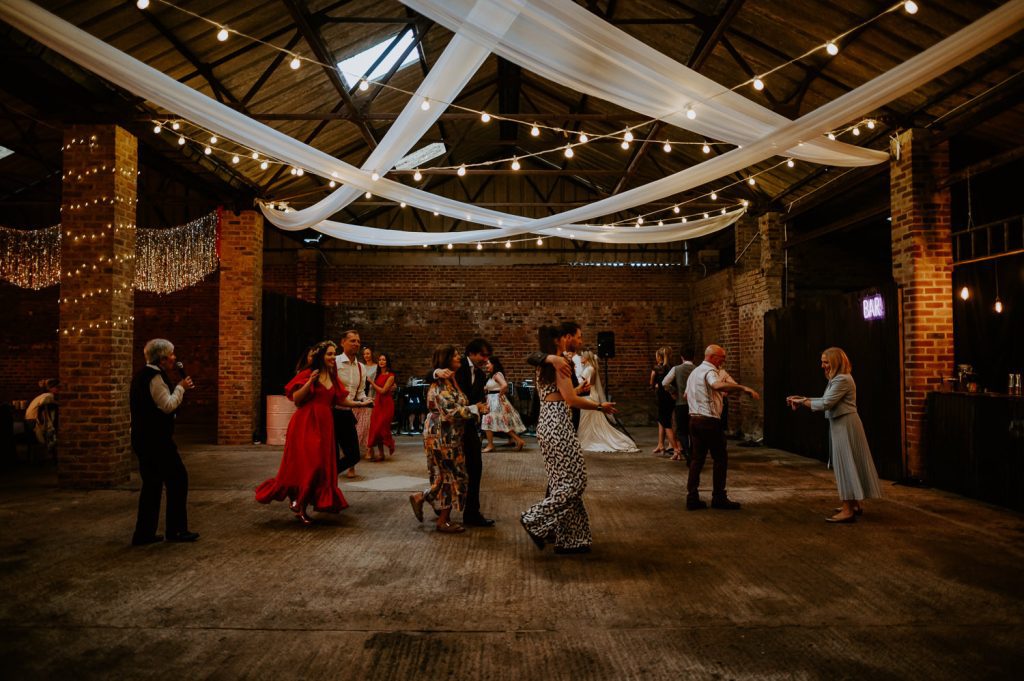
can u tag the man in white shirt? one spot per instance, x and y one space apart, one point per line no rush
352 376
704 397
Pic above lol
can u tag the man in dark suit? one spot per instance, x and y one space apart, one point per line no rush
472 379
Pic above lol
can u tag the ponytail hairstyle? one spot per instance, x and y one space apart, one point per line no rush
547 342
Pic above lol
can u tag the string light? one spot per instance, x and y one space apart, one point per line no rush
508 244
999 306
264 165
295 63
870 124
157 128
417 175
143 4
583 138
751 181
425 104
375 176
625 144
485 117
222 34
461 172
675 209
363 85
540 242
691 113
175 125
910 6
450 247
402 204
831 136
628 136
235 159
706 149
856 132
714 196
369 195
790 163
965 293
535 131
515 164
479 246
758 83
213 139
831 48
569 153
667 147
181 141
207 151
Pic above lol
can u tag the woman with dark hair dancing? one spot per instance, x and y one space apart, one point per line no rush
309 466
383 409
561 517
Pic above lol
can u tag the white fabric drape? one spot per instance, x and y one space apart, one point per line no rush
149 83
567 44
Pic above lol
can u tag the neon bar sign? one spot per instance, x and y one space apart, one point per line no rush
874 307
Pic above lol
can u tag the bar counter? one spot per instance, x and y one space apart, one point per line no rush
976 446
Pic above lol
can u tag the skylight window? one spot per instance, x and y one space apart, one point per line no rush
354 68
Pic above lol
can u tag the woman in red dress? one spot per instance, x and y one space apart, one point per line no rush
309 466
383 409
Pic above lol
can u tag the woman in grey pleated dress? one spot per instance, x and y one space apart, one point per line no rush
851 457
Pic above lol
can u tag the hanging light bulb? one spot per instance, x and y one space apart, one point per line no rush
625 144
181 141
157 128
402 204
264 165
691 113
450 247
999 306
295 63
461 172
714 196
871 124
628 136
235 159
569 153
143 4
640 220
790 163
723 211
213 139
706 149
332 184
207 151
222 34
965 293
661 223
831 48
832 136
425 104
666 147
751 181
705 216
535 131
745 203
508 244
583 138
675 209
684 219
375 176
300 172
910 6
540 242
479 246
856 131
515 163
436 213
485 117
291 171
417 175
175 125
368 195
255 156
363 85
758 83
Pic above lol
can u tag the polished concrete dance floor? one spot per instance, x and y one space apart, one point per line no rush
926 585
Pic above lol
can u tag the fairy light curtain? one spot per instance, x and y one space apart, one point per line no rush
166 260
771 138
30 258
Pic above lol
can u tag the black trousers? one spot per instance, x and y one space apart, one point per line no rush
683 426
707 434
161 466
474 470
346 439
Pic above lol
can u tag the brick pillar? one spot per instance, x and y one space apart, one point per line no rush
96 305
241 315
307 275
922 265
758 289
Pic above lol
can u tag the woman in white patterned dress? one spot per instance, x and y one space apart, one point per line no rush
502 417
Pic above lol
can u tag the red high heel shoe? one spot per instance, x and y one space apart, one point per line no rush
300 513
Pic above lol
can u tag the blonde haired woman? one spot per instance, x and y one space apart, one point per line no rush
595 433
851 457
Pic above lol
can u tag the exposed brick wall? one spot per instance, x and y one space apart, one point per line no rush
716 320
406 311
240 314
280 277
189 319
98 269
28 337
307 275
922 264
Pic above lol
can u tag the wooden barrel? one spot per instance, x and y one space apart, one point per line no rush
279 412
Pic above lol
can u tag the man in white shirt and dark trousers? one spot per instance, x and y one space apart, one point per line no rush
153 405
351 375
704 397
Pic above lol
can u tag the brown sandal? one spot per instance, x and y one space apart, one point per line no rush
450 528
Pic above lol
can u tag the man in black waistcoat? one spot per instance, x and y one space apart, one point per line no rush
471 380
153 404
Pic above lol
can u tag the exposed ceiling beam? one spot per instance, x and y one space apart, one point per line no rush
625 117
638 156
712 34
997 161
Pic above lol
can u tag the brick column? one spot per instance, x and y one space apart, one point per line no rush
307 275
241 314
922 265
96 305
758 289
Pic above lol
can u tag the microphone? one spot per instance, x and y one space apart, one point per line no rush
181 368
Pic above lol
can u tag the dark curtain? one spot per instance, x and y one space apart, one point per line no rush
290 326
988 341
794 339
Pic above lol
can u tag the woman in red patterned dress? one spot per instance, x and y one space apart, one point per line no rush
309 467
383 409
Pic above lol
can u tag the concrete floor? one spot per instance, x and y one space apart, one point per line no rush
927 585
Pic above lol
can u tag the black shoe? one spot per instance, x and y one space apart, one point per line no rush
725 504
142 541
477 521
185 536
695 505
570 551
537 541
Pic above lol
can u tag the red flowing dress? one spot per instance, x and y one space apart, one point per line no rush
309 466
383 414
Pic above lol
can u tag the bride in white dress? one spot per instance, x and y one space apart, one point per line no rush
595 433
